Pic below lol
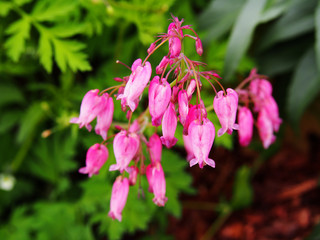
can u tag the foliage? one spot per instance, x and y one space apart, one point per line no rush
277 33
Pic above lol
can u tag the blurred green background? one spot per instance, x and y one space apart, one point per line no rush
53 52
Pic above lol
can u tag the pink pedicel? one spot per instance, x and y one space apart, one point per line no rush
245 120
120 190
183 102
90 108
226 110
97 155
155 148
138 80
169 125
125 147
202 137
104 118
159 98
157 183
265 128
188 146
199 46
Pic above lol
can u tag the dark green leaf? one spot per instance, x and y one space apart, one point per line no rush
241 35
304 86
8 120
317 23
10 94
242 189
274 9
296 21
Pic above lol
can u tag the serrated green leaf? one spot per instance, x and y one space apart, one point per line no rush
10 94
297 20
241 35
68 53
317 24
45 51
5 8
242 189
52 10
64 31
304 86
20 32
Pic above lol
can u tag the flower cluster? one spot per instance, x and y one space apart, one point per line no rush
174 95
259 95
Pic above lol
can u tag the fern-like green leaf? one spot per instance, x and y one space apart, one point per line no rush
45 52
5 8
20 32
21 2
52 10
68 53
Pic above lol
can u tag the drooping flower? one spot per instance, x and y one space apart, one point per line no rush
138 80
199 46
183 102
261 88
191 88
120 190
174 40
226 110
202 137
97 155
188 146
90 108
133 173
162 65
169 125
125 147
265 128
159 98
155 148
195 112
245 120
104 118
271 107
157 183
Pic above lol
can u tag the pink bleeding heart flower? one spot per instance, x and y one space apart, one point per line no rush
125 147
104 118
271 107
97 155
157 183
138 80
261 88
188 146
90 108
151 48
199 46
160 68
191 88
133 173
195 112
159 98
226 110
155 148
169 125
120 190
202 137
183 106
245 120
174 41
265 127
